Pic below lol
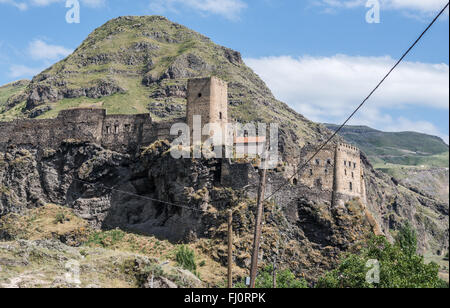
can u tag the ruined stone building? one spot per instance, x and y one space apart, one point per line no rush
336 169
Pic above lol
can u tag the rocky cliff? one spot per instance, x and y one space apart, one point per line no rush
310 234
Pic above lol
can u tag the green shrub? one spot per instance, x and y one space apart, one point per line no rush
185 258
285 280
60 218
399 267
407 239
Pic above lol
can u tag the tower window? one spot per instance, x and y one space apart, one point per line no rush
345 163
317 162
199 94
116 129
354 165
310 172
345 171
353 175
295 182
329 162
220 115
351 186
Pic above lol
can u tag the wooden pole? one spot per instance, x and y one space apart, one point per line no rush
258 222
274 274
230 249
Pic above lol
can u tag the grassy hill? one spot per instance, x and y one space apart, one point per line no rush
8 91
141 64
402 148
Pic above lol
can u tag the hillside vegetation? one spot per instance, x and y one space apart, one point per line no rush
402 148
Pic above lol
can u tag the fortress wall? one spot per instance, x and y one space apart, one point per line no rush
320 171
80 124
120 133
124 133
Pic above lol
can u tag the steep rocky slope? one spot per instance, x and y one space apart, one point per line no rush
6 92
310 234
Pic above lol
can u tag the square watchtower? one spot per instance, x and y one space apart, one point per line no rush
208 98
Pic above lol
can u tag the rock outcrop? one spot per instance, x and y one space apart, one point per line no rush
112 190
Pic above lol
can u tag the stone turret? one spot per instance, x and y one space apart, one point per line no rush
348 173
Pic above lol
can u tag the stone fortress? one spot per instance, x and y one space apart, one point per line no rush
336 169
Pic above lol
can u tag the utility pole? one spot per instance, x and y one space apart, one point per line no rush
274 274
230 249
257 235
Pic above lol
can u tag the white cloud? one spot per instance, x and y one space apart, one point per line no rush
229 9
40 50
16 71
327 89
418 6
20 5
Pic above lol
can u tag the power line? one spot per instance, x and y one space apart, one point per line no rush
363 102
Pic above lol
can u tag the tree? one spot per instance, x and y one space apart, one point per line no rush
398 268
285 280
407 239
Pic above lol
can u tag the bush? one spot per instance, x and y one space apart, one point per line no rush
285 280
399 267
185 258
407 239
60 218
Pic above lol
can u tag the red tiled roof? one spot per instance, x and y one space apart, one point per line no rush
245 140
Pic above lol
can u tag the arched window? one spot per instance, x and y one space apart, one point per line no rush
295 182
199 94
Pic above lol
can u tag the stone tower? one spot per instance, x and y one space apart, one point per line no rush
208 98
348 175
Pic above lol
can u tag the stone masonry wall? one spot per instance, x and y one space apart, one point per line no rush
122 133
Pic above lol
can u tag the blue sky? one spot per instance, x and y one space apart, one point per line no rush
319 56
